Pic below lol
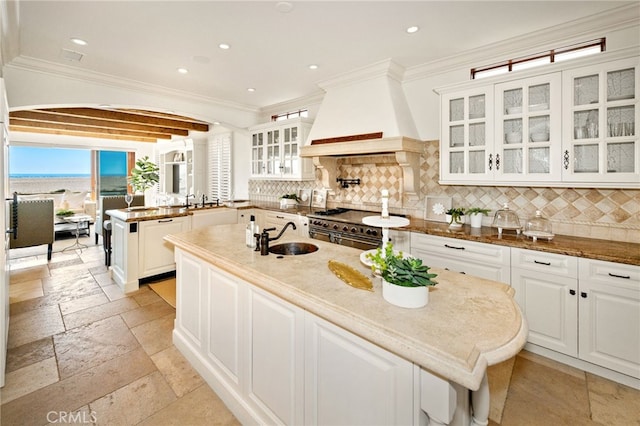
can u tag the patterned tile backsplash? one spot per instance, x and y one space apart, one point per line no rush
610 214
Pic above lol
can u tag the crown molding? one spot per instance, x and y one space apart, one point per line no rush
314 98
26 63
579 30
384 68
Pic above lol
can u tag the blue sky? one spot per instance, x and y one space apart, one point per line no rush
62 161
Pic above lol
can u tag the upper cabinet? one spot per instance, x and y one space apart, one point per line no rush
182 167
571 127
275 150
601 109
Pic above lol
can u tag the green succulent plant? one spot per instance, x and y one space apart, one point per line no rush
456 214
397 269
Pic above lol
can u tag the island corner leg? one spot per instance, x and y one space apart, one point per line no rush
480 403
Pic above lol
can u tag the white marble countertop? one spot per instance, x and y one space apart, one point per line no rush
469 323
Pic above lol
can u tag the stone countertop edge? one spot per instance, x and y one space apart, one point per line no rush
413 334
590 248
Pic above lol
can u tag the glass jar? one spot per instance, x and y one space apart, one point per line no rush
538 227
506 219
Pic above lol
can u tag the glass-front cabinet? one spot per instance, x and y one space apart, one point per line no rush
528 136
573 126
467 134
601 112
275 150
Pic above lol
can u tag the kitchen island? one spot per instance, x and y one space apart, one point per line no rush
283 340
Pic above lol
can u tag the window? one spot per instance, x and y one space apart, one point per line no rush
288 115
220 176
555 55
112 172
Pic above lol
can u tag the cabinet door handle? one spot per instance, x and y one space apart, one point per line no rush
165 220
497 161
490 161
626 277
566 160
583 294
454 247
572 292
542 263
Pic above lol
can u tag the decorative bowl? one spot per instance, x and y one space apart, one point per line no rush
540 137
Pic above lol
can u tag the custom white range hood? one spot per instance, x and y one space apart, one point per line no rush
365 113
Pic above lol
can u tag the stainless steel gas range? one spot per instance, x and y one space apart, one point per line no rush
345 227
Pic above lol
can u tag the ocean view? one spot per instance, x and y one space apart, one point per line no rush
43 183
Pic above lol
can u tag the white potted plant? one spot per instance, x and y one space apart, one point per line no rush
475 216
288 200
405 280
455 217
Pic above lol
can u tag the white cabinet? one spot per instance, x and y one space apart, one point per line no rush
467 257
274 363
528 130
275 150
349 381
600 116
573 126
467 135
546 286
182 167
210 217
610 315
584 308
156 255
510 132
275 358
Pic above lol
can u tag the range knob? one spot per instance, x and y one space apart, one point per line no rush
335 227
354 229
325 225
374 233
345 229
368 231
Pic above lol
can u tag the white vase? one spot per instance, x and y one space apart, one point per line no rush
405 297
476 220
457 224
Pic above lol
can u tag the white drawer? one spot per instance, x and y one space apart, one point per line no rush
552 263
609 272
461 249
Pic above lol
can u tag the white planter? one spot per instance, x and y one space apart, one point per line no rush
476 220
457 224
405 297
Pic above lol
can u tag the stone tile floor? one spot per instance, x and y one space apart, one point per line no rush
80 351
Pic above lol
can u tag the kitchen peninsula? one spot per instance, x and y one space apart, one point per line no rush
283 340
139 250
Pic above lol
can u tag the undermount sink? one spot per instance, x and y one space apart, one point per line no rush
293 248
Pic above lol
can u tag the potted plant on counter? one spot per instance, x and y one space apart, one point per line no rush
405 280
475 216
288 200
455 217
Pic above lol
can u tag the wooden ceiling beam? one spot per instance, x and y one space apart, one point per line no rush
132 117
80 133
87 129
40 116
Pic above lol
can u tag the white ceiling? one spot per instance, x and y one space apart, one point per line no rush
270 51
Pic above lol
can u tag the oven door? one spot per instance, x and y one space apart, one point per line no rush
343 240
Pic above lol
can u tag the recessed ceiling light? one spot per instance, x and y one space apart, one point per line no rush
224 46
284 7
183 70
413 29
216 123
313 67
78 41
251 89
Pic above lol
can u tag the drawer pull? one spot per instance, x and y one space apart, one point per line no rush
626 277
279 217
542 263
454 247
583 294
165 220
572 292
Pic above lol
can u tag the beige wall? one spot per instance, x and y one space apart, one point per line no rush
611 214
